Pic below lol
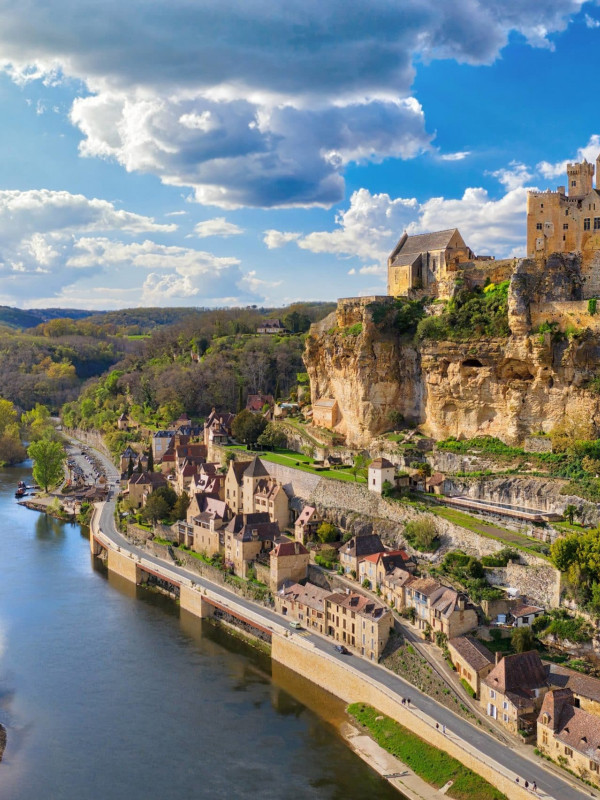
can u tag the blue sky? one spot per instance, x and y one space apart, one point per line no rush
216 153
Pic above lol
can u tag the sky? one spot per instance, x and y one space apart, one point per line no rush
253 152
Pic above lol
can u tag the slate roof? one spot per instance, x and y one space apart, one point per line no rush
473 652
256 469
581 685
574 727
424 242
363 545
239 467
238 521
517 676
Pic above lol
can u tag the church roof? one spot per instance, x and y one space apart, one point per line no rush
256 469
409 247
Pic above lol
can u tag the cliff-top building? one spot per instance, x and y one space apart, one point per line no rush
568 221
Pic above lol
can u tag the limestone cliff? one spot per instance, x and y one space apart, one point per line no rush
507 388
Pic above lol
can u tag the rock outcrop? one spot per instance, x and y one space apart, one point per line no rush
508 388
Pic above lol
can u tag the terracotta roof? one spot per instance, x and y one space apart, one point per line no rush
306 515
289 549
381 463
473 652
524 611
436 479
572 726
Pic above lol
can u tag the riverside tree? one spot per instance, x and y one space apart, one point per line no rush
48 458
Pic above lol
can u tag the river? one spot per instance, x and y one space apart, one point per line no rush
110 692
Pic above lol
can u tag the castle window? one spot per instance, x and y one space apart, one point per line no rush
567 212
539 226
586 224
597 223
541 205
566 226
573 183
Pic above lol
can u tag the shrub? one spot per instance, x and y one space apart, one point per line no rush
422 535
468 689
592 305
366 584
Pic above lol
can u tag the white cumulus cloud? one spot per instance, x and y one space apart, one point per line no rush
218 226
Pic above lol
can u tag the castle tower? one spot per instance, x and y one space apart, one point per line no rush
580 179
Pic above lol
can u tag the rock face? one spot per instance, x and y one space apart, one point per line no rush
508 388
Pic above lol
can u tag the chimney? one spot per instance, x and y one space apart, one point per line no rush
498 657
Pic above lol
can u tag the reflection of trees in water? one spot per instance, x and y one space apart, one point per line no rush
49 528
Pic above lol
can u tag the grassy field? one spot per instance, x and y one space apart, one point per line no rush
434 766
289 458
490 531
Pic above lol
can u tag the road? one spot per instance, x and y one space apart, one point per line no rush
548 783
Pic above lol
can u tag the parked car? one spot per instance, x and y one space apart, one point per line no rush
341 649
295 625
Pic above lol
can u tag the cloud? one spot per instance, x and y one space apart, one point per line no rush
257 104
591 22
256 284
514 176
274 239
460 155
217 227
559 169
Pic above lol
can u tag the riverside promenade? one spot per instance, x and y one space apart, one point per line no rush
352 678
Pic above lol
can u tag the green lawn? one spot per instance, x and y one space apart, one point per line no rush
432 765
288 458
490 531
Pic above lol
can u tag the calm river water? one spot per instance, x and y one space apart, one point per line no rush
110 692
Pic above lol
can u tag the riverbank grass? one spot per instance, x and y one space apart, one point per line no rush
434 766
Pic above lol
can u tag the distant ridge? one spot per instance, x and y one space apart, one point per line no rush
30 317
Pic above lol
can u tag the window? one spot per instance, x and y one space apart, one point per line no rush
568 752
565 226
586 224
596 223
573 183
505 705
492 694
505 717
594 767
544 737
539 226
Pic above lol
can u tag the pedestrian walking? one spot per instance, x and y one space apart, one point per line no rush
444 729
437 726
527 784
534 787
517 780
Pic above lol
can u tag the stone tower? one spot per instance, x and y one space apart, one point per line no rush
580 178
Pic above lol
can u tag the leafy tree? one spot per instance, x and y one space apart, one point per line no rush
569 512
48 458
272 436
387 488
247 427
181 506
359 465
422 535
327 532
8 415
564 551
156 508
168 494
150 461
522 639
130 467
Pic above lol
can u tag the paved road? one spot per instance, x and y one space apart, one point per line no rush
532 770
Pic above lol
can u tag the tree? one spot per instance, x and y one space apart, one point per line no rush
130 467
272 436
422 535
569 512
359 465
150 461
326 532
522 639
48 458
563 552
181 506
156 508
247 427
168 494
8 415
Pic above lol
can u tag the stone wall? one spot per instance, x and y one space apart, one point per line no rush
93 438
565 314
537 444
539 583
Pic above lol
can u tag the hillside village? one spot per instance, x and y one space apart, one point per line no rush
417 488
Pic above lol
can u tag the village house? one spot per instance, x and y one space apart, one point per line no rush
523 615
247 536
234 485
376 566
305 527
451 613
208 480
304 604
206 518
435 483
126 456
325 413
392 588
569 735
380 471
271 326
217 428
514 690
357 548
585 689
123 422
261 493
419 594
471 660
288 562
257 403
358 622
141 485
161 441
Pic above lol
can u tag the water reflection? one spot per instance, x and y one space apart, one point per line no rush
47 528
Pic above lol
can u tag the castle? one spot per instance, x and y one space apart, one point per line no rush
557 222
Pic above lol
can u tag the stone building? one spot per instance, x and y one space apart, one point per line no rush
471 659
141 485
569 735
355 549
304 604
422 261
568 221
248 537
513 691
585 689
380 471
288 562
377 566
358 622
325 413
306 524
